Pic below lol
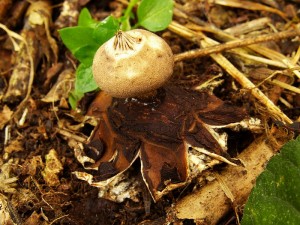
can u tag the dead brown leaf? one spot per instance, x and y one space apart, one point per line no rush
52 169
5 116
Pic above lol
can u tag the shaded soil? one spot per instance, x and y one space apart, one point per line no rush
30 129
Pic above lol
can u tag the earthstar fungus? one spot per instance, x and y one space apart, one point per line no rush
158 128
133 63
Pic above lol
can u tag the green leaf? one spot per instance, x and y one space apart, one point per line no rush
105 30
86 54
275 199
84 79
83 41
77 37
85 18
155 15
74 98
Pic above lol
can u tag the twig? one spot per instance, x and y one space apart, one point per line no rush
205 42
260 59
58 218
285 86
285 102
248 5
296 58
31 69
69 135
237 180
247 27
214 156
279 59
236 44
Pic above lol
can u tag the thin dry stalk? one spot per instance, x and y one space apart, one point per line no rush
25 52
285 86
232 186
205 42
70 135
236 44
258 59
286 103
247 27
247 5
279 59
69 14
296 58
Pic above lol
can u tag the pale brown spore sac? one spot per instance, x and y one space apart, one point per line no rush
133 63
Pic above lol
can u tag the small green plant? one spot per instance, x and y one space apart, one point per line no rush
84 40
275 199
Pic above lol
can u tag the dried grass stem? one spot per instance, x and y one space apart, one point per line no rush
236 44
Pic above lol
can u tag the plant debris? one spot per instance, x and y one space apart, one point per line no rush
159 130
233 60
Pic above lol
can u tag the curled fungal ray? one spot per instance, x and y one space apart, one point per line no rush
158 130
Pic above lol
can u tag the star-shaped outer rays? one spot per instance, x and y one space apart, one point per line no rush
158 130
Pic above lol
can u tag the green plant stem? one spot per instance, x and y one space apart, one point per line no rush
131 4
126 24
135 26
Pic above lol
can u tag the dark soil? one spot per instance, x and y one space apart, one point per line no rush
30 129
